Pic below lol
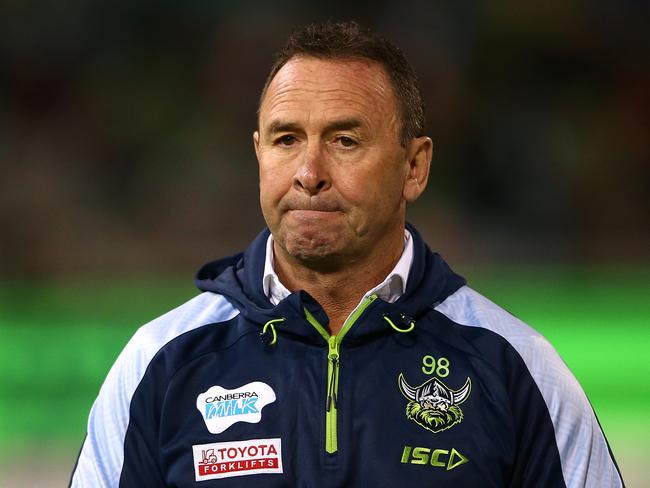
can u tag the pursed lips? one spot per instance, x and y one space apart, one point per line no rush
315 213
310 212
316 207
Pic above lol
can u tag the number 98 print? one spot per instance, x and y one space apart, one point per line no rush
439 368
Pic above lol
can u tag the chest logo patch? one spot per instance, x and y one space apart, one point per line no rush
221 408
433 405
237 458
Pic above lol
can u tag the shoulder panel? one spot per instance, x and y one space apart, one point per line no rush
583 449
102 454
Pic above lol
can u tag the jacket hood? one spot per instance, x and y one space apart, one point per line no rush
239 279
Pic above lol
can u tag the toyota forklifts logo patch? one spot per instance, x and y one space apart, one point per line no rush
221 408
237 458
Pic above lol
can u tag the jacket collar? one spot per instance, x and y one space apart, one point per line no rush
239 279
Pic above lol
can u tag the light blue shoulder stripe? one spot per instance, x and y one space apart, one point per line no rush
584 454
102 455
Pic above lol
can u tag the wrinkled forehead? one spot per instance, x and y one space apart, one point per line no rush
308 87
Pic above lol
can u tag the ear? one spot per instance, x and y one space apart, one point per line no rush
256 143
419 161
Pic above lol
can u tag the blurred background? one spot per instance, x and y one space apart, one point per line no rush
126 162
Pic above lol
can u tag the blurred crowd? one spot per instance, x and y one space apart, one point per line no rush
125 128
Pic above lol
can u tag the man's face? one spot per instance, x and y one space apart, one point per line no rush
332 170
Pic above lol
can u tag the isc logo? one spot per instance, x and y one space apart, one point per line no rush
439 458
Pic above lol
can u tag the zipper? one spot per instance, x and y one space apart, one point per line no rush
331 406
333 368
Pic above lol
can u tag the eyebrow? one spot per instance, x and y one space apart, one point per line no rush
282 126
346 123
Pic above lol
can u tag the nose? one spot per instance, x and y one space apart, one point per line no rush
312 176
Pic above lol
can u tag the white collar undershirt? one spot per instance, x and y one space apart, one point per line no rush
389 290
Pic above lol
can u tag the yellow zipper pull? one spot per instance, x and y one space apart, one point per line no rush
333 358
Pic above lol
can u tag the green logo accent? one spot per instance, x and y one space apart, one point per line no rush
452 462
433 405
438 458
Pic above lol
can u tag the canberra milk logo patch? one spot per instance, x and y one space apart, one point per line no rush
237 458
221 408
433 405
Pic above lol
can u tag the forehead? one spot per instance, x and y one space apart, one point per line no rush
316 88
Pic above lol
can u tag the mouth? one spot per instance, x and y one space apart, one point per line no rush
311 210
312 213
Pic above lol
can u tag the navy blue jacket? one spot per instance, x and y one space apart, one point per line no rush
441 388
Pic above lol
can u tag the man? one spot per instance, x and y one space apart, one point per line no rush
377 366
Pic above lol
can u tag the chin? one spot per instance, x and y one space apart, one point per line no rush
310 249
317 252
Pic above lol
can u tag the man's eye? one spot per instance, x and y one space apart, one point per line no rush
286 140
347 141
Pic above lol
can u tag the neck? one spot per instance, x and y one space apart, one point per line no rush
340 289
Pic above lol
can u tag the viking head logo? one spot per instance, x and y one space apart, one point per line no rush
433 405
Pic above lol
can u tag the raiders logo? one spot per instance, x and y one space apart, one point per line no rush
433 405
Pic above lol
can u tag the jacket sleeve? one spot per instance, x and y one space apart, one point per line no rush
543 393
102 455
105 455
559 440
